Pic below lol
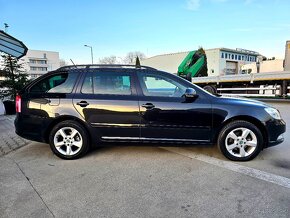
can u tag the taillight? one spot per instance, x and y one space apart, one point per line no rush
18 104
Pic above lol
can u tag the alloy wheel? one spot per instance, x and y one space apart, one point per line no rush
68 141
241 142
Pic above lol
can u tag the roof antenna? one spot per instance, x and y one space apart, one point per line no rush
138 65
73 63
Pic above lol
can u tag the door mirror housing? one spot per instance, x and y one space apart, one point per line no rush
190 95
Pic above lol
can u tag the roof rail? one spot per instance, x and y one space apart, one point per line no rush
95 66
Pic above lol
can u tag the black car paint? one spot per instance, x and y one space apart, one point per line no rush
122 118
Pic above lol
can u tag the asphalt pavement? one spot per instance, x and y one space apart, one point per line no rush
140 181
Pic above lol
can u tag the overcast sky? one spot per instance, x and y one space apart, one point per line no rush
153 27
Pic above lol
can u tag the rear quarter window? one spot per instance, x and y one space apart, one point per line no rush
57 83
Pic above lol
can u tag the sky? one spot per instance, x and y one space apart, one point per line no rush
116 27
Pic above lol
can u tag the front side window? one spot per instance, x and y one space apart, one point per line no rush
106 83
154 85
60 83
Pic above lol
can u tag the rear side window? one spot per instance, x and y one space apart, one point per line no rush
107 83
59 83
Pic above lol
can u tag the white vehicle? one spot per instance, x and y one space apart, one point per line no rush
271 84
258 80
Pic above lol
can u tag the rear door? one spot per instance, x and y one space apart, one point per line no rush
107 100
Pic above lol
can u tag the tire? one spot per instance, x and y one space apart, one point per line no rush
240 141
69 140
210 89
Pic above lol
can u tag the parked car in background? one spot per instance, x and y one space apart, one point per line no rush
78 107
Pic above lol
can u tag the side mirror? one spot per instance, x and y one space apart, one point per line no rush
190 95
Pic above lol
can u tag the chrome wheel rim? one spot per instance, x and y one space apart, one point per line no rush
68 141
241 142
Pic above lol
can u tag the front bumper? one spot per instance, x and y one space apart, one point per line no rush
275 129
279 140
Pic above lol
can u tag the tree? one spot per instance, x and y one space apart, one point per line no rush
15 78
62 63
108 60
138 65
131 57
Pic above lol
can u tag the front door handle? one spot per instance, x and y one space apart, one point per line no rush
83 103
148 105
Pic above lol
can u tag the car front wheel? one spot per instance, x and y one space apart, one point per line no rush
69 140
240 141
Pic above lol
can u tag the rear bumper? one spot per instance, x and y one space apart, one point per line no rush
30 127
275 129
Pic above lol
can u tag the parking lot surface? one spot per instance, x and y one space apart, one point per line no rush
9 141
142 181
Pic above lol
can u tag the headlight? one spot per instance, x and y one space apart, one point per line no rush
273 113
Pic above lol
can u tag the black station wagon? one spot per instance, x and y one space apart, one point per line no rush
78 107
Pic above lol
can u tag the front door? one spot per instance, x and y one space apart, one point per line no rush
165 115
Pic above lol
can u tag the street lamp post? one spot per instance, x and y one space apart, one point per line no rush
91 52
6 27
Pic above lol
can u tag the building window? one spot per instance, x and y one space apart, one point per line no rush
236 57
42 62
34 61
239 57
243 57
226 55
233 57
38 68
222 55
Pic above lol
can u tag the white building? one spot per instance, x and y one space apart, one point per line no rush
220 61
37 63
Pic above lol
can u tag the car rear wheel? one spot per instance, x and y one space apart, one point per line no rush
69 140
240 141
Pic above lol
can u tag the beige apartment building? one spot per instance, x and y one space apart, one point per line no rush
37 62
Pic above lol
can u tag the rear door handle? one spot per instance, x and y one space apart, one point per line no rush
83 103
148 105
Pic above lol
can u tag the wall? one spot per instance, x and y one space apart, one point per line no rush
168 62
213 62
271 65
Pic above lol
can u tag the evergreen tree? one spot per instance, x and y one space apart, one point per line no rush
138 65
15 77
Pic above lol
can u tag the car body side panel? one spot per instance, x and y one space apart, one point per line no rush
111 116
176 119
225 109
